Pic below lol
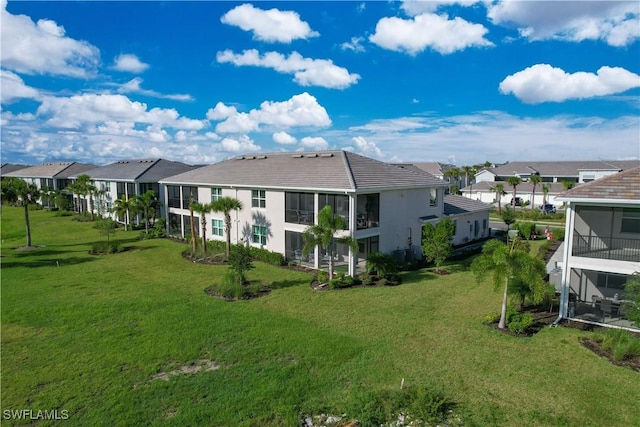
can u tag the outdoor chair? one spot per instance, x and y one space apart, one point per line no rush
606 308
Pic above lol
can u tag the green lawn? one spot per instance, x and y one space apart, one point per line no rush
87 334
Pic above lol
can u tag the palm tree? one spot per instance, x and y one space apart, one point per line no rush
453 174
534 180
514 181
470 173
145 204
499 189
122 207
203 209
226 205
323 234
506 263
545 192
17 191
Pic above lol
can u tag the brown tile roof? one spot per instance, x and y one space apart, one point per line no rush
138 170
328 170
455 205
621 186
52 170
562 168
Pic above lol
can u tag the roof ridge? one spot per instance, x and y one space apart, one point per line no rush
155 161
352 180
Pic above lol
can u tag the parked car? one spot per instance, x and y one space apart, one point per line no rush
516 201
548 208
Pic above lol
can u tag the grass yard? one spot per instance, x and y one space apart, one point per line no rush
91 334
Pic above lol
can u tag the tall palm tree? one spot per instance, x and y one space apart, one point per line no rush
17 191
122 207
469 173
202 209
506 263
514 181
323 234
453 174
499 189
226 205
545 192
534 180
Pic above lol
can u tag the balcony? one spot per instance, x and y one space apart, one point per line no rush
298 216
603 247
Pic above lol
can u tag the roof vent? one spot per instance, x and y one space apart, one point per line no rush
261 157
311 155
297 156
326 155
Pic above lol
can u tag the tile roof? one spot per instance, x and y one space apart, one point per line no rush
562 168
52 170
328 170
9 167
621 186
434 168
455 205
140 170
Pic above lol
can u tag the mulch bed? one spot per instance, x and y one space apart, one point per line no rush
596 347
211 291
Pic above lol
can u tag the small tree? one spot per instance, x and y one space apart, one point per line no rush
514 181
240 261
226 205
203 209
323 234
507 263
499 189
508 216
545 193
122 207
145 204
107 227
632 298
535 180
436 241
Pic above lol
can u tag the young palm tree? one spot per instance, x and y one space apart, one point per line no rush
469 173
534 180
323 234
545 192
514 181
145 203
453 175
122 207
17 191
202 209
499 189
509 262
226 205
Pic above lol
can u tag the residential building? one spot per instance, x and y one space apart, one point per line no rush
471 218
601 249
5 168
52 176
485 192
127 178
385 205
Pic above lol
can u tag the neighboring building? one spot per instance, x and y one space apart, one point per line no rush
470 216
439 170
52 176
384 205
602 248
551 173
128 178
5 168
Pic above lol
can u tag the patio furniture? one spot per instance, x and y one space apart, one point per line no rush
606 307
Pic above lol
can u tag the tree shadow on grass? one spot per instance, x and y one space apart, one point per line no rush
418 276
284 284
46 262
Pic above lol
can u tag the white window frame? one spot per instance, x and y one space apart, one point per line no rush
258 198
217 230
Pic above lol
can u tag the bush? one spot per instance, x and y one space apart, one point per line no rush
492 318
216 247
558 234
81 218
322 276
34 207
525 229
231 286
104 248
622 344
273 258
63 213
518 322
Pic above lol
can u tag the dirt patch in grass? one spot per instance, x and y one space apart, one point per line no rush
202 365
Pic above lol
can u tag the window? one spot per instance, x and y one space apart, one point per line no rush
186 192
339 204
630 220
299 208
433 197
484 224
173 195
217 227
216 194
120 189
260 234
131 189
368 213
258 199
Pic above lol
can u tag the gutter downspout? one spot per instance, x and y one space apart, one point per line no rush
564 292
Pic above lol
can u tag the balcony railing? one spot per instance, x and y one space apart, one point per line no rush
604 247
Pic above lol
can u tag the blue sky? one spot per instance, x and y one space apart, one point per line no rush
199 82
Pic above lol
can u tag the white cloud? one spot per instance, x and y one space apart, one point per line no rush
428 30
13 88
355 44
367 148
614 22
129 63
43 48
221 111
88 110
543 83
300 110
271 25
418 7
242 144
315 143
306 71
284 138
133 86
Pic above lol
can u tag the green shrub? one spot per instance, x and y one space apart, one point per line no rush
63 213
35 207
558 234
273 258
81 218
383 282
525 229
322 276
231 285
381 263
216 247
622 344
492 317
367 280
518 322
103 248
